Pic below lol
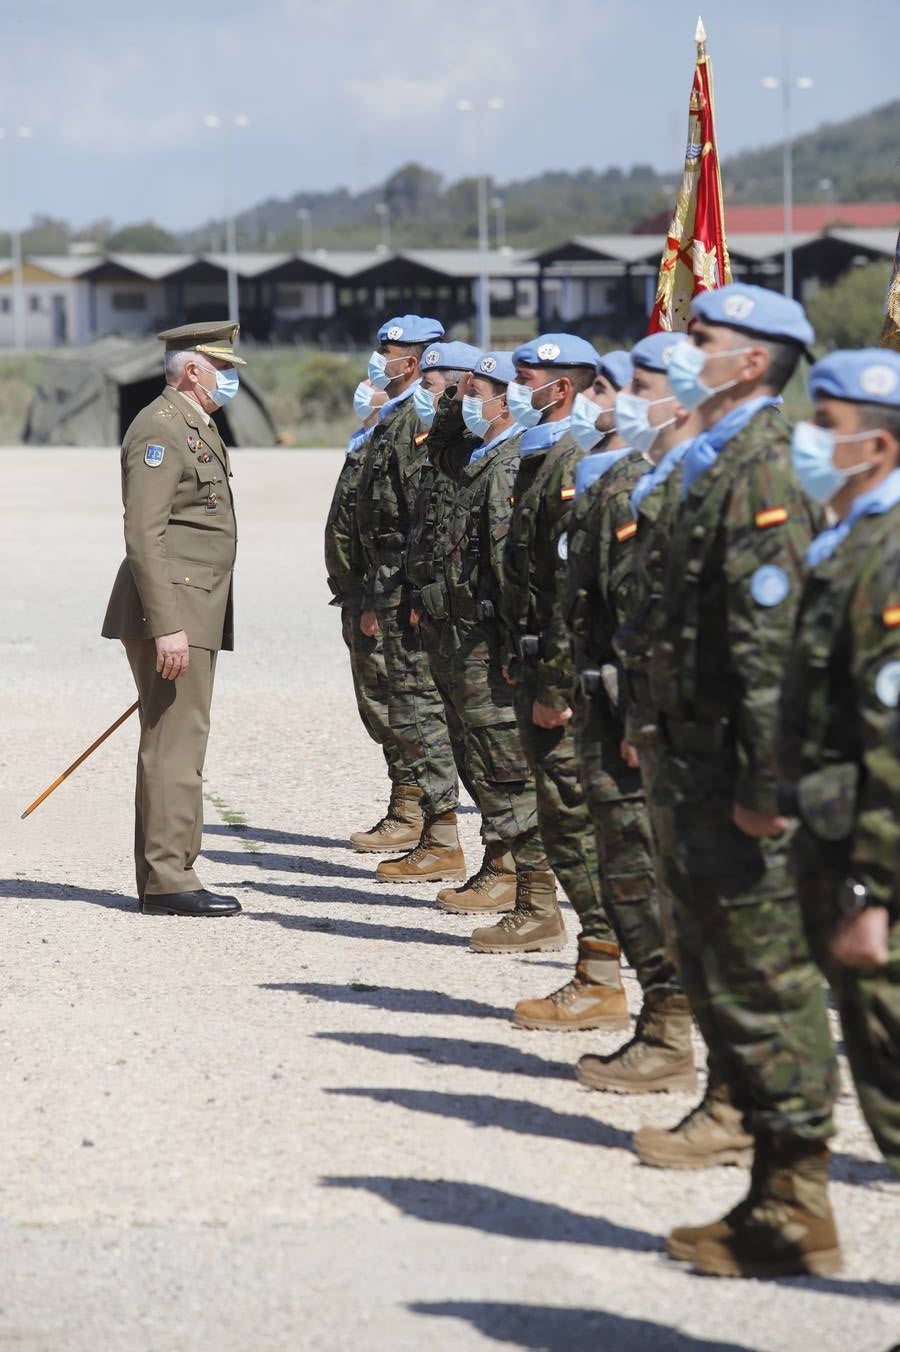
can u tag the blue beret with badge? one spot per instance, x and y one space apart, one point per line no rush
654 352
450 357
756 310
617 367
496 366
557 349
406 329
868 375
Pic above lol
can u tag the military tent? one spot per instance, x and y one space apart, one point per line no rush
87 396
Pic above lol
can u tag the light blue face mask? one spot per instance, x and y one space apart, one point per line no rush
473 415
227 384
423 401
362 400
633 420
812 451
584 422
518 398
378 369
686 364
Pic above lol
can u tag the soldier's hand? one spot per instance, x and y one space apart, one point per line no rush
414 618
629 754
758 824
862 939
506 676
545 717
368 624
464 387
172 655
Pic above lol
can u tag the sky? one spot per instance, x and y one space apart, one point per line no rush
342 92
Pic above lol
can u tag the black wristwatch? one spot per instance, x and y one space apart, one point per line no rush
853 897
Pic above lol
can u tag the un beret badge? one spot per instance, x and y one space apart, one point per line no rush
432 357
548 351
394 332
878 380
738 307
487 365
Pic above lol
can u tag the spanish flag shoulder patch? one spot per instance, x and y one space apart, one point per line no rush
771 516
568 494
891 617
421 438
626 532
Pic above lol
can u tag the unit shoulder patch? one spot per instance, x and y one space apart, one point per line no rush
769 585
154 455
421 438
891 617
563 547
568 494
627 531
771 516
887 685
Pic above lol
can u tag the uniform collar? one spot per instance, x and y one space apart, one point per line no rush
193 411
659 473
398 399
874 503
592 467
705 448
481 451
542 437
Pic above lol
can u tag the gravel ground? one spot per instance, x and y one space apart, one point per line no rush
312 1127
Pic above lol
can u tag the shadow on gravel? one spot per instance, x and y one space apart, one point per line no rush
287 863
834 1286
487 1110
852 1169
26 889
545 1328
323 894
498 1213
358 929
451 1051
241 832
394 999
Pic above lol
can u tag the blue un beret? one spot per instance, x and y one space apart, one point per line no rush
410 329
557 349
868 375
655 352
449 357
496 366
617 367
755 309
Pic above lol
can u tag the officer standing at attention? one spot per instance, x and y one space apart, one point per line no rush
171 606
838 745
401 825
386 497
730 600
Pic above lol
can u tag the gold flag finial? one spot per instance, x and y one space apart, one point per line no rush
700 38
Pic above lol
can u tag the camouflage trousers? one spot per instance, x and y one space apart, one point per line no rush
869 1007
370 685
437 640
744 960
504 787
416 710
615 800
563 817
662 846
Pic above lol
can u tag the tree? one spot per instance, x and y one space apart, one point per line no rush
849 313
144 237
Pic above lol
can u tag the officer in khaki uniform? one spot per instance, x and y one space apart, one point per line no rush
171 606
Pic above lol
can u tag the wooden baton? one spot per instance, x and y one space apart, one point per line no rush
83 757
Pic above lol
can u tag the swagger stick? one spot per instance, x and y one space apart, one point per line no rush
83 757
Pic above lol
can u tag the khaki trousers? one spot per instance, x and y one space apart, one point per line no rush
168 799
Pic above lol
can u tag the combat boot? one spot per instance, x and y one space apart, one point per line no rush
659 1058
536 924
492 888
789 1230
594 998
438 855
399 828
683 1240
710 1135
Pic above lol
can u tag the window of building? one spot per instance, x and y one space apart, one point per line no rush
5 305
129 300
34 304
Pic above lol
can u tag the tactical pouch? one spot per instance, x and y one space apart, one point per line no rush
826 801
434 599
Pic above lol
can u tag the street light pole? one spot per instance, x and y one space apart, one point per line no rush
216 123
500 212
303 216
785 84
18 279
383 210
483 294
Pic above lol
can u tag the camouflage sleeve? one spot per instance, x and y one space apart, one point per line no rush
555 672
617 579
497 514
875 621
341 541
768 528
449 442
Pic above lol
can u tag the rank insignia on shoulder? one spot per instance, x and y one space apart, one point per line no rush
421 438
769 585
154 455
771 516
568 494
626 532
891 617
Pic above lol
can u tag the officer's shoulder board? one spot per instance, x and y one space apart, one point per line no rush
891 617
627 531
771 516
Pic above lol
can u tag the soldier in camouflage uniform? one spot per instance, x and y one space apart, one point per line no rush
838 744
600 588
730 599
475 447
385 501
401 825
550 371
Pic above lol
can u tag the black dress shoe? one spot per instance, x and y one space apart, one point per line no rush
199 902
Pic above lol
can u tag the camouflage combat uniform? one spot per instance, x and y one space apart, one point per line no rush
841 762
731 594
386 495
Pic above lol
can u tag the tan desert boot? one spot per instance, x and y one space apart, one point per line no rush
399 828
437 857
658 1058
492 888
790 1229
594 998
536 924
709 1136
683 1240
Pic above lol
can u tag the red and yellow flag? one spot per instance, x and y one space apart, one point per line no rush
890 330
696 254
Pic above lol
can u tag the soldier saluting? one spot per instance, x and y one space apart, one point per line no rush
171 606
